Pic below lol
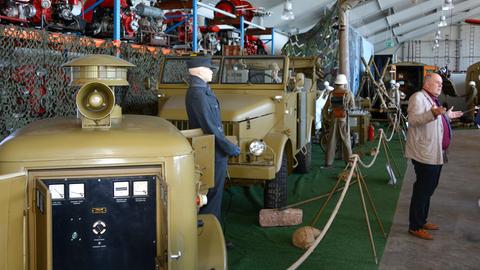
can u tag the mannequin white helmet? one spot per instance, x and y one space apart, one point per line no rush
341 79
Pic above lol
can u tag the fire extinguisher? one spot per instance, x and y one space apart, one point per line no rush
371 133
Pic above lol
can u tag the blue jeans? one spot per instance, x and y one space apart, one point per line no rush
423 188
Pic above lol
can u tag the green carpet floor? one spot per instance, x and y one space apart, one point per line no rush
345 246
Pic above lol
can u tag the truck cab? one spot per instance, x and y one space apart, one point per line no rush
267 108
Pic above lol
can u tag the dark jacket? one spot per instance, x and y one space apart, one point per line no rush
203 112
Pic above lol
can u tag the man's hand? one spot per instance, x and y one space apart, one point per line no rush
453 114
438 110
236 152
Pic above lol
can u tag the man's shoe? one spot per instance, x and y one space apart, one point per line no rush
421 233
430 226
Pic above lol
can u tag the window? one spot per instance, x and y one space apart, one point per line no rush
175 70
253 70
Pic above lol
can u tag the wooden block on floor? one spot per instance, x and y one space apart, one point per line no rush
275 217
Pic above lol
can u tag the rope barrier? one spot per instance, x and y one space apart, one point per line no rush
355 159
316 198
394 128
331 218
381 136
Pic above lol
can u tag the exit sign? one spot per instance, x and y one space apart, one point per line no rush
389 43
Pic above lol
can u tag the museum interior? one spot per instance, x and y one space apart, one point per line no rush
239 134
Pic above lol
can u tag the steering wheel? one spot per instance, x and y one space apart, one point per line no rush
257 78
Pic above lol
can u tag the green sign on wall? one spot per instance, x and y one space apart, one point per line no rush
389 43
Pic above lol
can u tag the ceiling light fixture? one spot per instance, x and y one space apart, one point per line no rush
287 13
443 21
447 5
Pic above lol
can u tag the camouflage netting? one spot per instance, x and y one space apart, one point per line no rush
33 85
321 41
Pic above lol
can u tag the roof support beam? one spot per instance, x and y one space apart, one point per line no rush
430 28
419 23
414 11
369 9
304 10
399 17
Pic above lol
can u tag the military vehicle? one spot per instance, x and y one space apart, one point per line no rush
105 190
411 75
473 74
267 108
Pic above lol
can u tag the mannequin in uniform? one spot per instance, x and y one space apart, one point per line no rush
203 112
471 99
338 104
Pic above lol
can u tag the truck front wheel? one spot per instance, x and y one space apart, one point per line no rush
275 192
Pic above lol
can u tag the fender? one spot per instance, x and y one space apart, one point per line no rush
279 143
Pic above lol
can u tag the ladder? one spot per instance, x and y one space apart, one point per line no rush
471 45
447 51
418 50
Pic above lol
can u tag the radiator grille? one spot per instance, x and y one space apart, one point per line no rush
228 126
180 124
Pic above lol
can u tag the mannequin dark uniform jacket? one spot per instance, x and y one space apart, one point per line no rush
203 112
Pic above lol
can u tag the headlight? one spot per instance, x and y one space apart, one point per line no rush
257 147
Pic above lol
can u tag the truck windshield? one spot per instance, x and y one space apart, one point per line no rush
175 70
253 70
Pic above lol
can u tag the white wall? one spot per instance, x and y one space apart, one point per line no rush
459 44
279 40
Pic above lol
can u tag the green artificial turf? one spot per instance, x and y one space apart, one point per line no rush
345 246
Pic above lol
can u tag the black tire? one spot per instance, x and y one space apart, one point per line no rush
304 160
275 191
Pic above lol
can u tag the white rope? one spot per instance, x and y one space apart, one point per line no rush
394 127
381 137
330 220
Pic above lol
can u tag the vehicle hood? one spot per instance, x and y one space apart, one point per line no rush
233 107
64 139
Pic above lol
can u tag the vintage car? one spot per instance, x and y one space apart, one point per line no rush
267 108
106 190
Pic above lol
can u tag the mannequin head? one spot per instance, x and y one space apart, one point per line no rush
204 73
200 66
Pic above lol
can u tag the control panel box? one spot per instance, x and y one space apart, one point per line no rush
103 222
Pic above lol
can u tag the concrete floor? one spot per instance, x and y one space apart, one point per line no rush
455 207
